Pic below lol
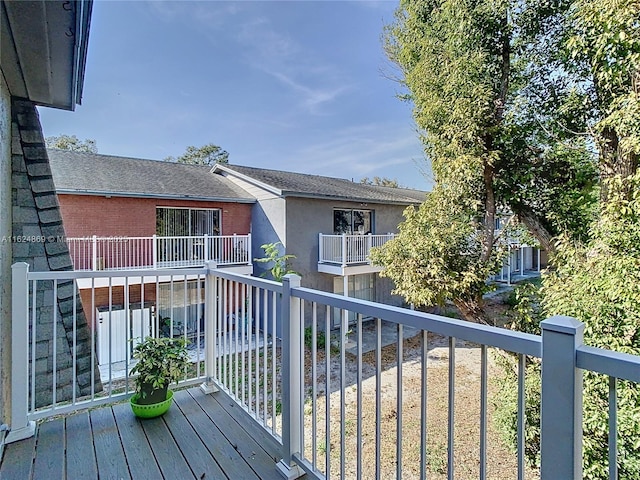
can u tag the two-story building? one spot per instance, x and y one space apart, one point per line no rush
329 224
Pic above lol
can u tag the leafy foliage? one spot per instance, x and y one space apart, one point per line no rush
161 361
208 154
597 282
71 142
381 182
280 263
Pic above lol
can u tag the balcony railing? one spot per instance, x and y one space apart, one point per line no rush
349 249
121 253
285 383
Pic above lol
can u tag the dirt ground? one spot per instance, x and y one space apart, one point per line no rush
501 463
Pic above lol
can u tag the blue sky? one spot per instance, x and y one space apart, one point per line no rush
294 85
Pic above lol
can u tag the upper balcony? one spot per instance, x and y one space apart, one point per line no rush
349 254
273 399
127 253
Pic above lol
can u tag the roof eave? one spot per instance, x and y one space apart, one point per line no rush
104 193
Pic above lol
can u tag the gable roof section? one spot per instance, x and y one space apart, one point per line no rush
95 174
316 186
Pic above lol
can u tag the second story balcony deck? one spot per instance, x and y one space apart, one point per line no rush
125 253
288 406
349 254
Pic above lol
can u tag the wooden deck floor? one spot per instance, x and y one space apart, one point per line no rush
202 436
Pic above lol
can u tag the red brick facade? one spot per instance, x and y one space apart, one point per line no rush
85 215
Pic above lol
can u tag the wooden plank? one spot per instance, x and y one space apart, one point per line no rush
170 460
256 457
17 461
109 453
142 464
81 458
49 457
248 424
202 464
224 453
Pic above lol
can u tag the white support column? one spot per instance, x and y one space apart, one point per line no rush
206 248
210 326
320 249
21 427
291 379
561 413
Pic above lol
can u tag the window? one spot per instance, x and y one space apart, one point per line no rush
183 222
352 222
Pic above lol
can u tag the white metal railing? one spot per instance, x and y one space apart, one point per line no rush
349 249
121 253
255 347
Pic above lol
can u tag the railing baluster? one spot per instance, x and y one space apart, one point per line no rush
423 403
359 402
613 429
451 416
399 363
378 397
521 426
327 389
343 335
483 412
314 380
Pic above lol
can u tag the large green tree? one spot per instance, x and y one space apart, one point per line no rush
208 154
470 71
71 142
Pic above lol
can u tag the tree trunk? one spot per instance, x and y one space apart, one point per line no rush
534 225
472 309
614 161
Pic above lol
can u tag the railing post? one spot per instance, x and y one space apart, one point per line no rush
210 326
206 248
561 414
291 379
21 427
320 249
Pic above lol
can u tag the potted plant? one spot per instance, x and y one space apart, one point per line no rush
160 361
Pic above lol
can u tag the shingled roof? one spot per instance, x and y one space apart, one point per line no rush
90 173
317 186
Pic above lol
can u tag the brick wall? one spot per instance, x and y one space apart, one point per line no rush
36 216
86 215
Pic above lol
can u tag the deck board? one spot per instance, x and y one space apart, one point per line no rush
18 460
170 460
140 459
202 437
110 457
252 452
225 454
49 460
81 458
202 463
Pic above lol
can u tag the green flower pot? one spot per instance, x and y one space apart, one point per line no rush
153 410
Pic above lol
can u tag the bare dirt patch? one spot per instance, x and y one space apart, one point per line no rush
345 412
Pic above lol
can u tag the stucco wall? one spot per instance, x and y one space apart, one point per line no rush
268 227
85 215
307 218
5 248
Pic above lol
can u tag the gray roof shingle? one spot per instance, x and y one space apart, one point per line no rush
317 186
89 173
